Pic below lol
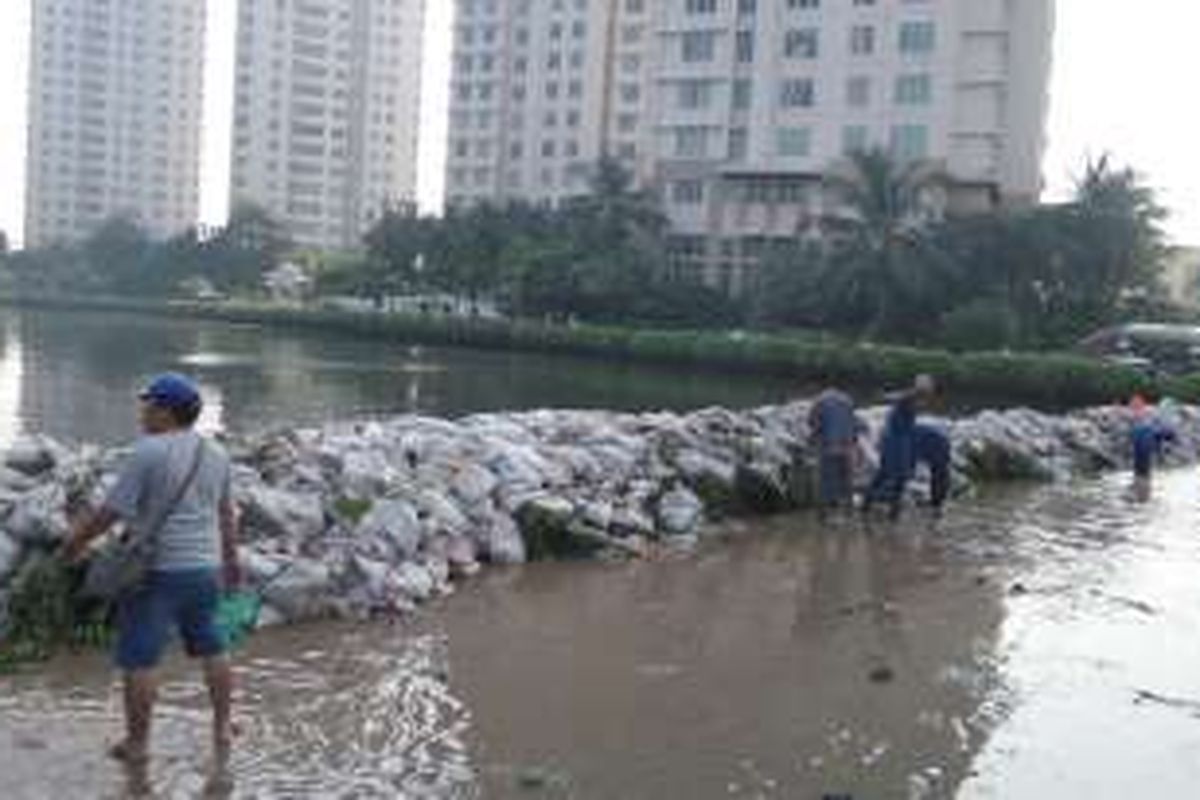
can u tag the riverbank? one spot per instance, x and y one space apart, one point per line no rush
361 518
1047 380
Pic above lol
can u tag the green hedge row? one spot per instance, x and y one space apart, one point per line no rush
1045 379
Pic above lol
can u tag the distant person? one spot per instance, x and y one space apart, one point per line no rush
897 447
1150 434
931 447
835 430
176 487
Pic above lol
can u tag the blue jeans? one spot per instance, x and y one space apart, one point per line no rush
895 470
185 601
836 478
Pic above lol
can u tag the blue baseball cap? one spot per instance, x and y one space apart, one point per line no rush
171 390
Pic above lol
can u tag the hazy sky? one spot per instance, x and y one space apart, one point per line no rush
1122 83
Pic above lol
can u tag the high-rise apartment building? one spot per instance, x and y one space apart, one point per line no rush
327 113
115 113
540 90
734 109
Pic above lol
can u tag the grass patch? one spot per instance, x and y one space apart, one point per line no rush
45 616
351 509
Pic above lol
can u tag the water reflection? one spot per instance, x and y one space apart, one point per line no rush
73 375
12 374
1102 652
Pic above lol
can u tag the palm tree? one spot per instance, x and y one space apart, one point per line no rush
883 268
1116 222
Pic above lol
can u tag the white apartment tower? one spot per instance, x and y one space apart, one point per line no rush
540 90
327 113
115 113
734 109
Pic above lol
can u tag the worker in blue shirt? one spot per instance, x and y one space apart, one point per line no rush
897 446
1148 436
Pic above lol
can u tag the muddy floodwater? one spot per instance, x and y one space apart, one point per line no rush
1038 643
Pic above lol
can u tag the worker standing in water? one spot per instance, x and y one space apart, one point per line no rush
835 429
897 447
1149 435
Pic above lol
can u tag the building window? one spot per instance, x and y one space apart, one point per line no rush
699 46
744 45
687 192
917 37
855 139
798 93
695 94
691 142
701 6
858 91
743 94
862 40
793 142
914 90
802 43
739 144
910 142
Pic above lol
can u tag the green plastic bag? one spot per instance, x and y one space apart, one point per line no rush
237 617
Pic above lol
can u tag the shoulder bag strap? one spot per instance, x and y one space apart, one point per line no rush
152 531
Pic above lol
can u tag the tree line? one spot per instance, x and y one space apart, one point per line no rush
120 258
1039 276
887 266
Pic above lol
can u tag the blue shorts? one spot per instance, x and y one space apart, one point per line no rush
185 601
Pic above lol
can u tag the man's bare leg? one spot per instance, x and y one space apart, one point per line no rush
140 692
218 674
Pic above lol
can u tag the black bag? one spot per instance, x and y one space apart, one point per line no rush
121 566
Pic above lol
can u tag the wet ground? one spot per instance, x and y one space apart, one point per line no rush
1039 643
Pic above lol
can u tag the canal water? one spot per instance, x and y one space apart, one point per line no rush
72 375
1040 642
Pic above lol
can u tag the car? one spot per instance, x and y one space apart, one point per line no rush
1149 347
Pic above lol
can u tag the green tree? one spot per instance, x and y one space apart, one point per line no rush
396 245
540 278
1115 222
52 270
475 252
618 235
1064 270
787 293
119 254
883 271
245 250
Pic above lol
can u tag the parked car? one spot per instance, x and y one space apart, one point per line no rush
1151 347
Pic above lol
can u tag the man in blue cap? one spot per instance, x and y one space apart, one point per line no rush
176 488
